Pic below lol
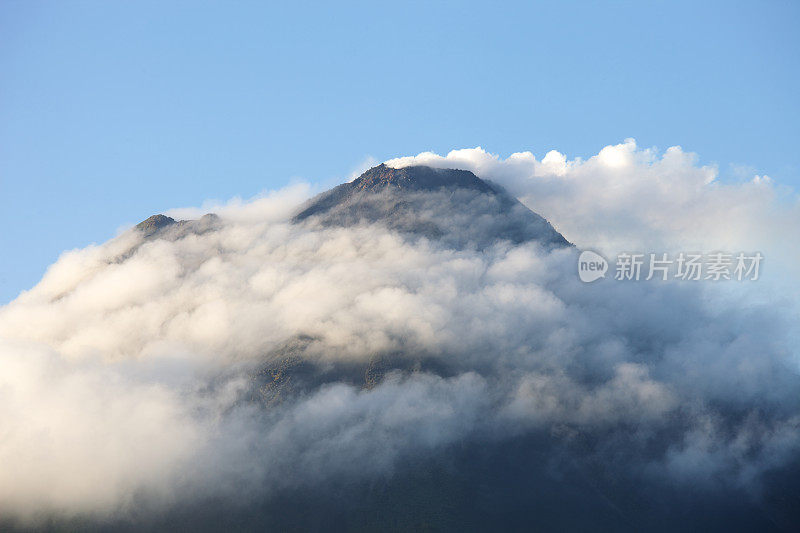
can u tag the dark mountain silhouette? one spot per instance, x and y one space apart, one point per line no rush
154 223
454 206
560 478
168 227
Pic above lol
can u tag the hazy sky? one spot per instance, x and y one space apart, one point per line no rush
113 111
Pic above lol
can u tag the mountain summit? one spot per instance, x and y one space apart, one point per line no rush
419 178
453 206
167 227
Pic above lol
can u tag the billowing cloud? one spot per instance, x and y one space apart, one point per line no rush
262 356
627 198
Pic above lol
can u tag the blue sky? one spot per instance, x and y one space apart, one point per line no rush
113 111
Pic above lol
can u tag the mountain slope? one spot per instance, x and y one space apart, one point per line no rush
453 206
168 227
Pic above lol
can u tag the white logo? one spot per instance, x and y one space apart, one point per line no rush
632 266
591 266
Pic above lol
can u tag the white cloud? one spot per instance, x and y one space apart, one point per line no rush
128 370
626 197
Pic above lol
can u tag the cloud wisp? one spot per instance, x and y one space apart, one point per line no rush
262 356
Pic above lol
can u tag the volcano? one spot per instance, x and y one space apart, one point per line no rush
408 351
454 206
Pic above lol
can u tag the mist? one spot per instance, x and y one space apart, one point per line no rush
262 357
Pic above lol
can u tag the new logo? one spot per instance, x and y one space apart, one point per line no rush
591 266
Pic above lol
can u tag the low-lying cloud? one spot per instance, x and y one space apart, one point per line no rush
264 355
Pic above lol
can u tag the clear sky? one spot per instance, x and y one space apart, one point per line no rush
113 111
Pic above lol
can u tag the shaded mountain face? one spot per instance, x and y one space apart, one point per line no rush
154 224
453 206
350 380
167 227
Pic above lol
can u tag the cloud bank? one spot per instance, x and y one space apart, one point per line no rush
626 197
264 356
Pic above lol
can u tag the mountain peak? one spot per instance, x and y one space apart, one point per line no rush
418 178
453 206
154 223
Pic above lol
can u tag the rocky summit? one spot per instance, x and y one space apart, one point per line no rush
452 206
167 227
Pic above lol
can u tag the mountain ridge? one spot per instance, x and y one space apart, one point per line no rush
454 207
432 202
